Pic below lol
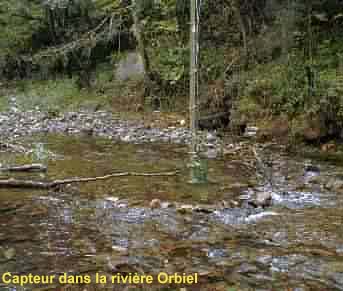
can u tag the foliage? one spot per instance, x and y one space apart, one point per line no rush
171 63
58 95
19 20
330 105
283 87
289 53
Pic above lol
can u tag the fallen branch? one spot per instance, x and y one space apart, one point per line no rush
13 147
15 183
25 168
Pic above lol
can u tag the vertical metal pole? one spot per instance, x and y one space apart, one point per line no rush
193 76
198 166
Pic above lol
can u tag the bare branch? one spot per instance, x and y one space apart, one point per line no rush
25 168
15 183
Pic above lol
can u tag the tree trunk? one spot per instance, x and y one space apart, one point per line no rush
309 66
243 29
285 32
51 24
139 35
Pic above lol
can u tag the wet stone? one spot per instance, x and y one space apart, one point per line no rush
334 185
312 168
261 199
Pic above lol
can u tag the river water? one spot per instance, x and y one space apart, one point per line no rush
107 227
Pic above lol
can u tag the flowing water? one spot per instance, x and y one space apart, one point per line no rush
108 226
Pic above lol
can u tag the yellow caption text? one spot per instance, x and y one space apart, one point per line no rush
118 278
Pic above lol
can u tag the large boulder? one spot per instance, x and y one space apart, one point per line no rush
277 128
131 66
310 128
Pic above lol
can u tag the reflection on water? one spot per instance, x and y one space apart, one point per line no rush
108 226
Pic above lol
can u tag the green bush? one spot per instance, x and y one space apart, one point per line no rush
283 88
330 104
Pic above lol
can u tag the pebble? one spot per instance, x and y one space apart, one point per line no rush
210 137
16 123
155 204
335 185
251 131
183 209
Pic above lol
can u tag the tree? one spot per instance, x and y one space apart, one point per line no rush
137 16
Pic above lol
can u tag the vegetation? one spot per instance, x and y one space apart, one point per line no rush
259 59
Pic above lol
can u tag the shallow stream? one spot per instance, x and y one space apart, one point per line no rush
109 226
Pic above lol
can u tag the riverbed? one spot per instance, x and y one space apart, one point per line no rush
211 229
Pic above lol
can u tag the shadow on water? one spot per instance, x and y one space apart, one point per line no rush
108 226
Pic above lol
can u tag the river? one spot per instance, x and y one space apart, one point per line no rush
106 227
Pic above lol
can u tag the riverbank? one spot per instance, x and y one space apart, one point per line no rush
157 127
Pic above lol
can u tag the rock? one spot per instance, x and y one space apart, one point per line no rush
112 199
211 153
328 147
213 121
119 249
182 122
264 199
9 253
183 209
129 67
204 209
250 131
261 199
311 134
257 216
238 185
227 204
88 131
98 123
210 137
315 180
155 204
334 185
301 187
311 129
312 168
247 268
126 138
277 128
167 204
